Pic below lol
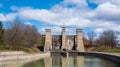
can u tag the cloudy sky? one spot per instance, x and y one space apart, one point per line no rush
90 15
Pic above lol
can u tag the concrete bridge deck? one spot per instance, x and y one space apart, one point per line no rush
60 52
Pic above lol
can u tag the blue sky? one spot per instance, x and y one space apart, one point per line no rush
90 15
41 4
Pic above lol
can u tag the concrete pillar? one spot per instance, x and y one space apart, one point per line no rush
79 39
48 40
63 38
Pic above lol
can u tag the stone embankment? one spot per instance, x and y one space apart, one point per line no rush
19 55
115 57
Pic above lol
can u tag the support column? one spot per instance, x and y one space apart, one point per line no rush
63 38
79 38
48 40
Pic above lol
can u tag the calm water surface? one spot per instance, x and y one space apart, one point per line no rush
60 61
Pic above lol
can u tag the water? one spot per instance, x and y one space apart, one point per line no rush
60 61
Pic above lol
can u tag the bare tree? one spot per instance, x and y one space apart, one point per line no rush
13 35
91 38
31 35
108 38
18 34
1 35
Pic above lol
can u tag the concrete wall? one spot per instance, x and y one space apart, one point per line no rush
18 55
107 56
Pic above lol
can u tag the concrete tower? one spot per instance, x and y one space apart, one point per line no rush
63 38
48 40
79 39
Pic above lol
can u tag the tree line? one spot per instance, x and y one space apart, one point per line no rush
107 38
17 35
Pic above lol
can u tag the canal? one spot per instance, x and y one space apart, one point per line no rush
60 61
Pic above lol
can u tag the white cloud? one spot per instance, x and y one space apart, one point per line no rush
76 3
56 16
28 23
107 12
115 2
8 17
2 17
11 16
38 14
54 29
14 8
97 1
105 16
57 30
99 30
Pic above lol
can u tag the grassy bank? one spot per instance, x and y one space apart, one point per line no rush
107 49
26 49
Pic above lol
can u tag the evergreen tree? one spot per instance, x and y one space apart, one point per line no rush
1 35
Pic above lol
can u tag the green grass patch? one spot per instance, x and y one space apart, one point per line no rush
107 49
31 50
20 48
112 50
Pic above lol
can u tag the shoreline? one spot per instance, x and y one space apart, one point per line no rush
20 55
114 57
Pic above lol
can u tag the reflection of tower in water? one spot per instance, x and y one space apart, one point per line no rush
48 62
76 61
70 61
80 61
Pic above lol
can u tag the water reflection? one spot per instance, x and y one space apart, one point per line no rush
98 62
73 61
15 63
80 61
10 64
68 62
48 62
60 61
